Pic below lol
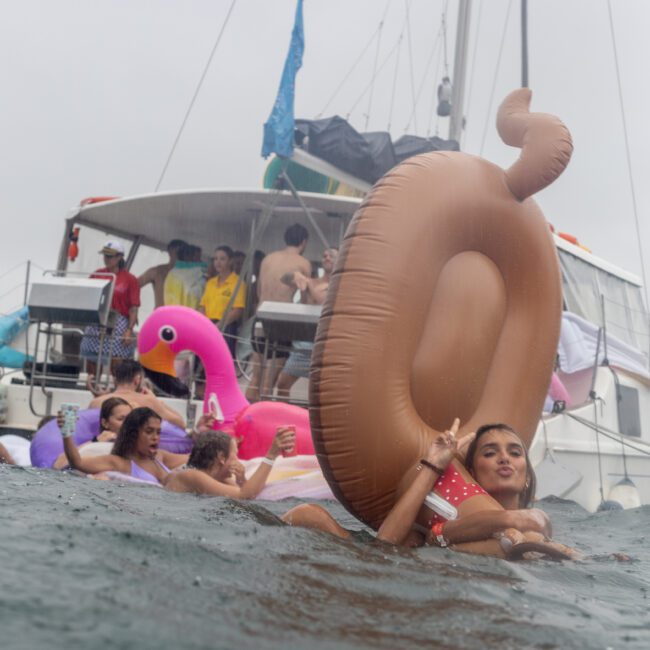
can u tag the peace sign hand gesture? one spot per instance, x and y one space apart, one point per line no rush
443 447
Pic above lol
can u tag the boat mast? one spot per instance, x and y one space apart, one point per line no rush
460 68
524 43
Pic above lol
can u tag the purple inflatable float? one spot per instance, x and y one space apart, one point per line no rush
47 444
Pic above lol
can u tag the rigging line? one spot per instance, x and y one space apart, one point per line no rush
196 93
351 70
379 69
12 269
444 40
392 96
627 154
374 67
410 44
424 78
18 286
608 433
473 69
434 88
496 73
434 96
600 458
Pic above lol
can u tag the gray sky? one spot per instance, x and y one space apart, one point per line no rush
94 93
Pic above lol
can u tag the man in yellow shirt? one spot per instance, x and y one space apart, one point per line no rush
218 292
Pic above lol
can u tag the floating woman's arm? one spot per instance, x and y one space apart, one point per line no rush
483 525
95 464
285 440
397 525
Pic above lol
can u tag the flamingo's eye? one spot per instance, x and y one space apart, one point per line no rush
167 333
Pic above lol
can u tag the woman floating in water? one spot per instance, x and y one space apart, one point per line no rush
497 460
135 451
213 462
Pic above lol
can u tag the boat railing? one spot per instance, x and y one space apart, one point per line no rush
61 305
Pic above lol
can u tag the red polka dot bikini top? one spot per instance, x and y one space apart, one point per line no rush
452 487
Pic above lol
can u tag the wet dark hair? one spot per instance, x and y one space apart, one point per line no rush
107 408
226 249
175 244
126 371
184 252
127 438
526 497
206 448
44 420
195 253
239 254
295 235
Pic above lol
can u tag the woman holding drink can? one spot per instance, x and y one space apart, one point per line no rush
112 414
135 451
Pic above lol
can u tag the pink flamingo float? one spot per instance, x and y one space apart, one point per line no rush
170 330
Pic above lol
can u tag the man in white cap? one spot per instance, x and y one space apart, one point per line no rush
126 300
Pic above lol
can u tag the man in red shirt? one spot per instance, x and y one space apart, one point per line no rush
126 300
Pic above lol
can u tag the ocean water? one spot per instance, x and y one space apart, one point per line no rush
95 564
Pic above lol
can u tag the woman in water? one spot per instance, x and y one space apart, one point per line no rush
112 414
135 450
213 461
497 460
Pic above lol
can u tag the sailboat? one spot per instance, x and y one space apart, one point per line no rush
592 444
593 447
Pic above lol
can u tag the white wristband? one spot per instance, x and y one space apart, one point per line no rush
268 461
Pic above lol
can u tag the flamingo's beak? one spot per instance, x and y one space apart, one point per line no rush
159 359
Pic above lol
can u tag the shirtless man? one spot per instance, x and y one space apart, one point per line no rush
312 292
270 287
129 376
156 274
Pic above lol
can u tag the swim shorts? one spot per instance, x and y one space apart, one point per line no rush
282 348
297 364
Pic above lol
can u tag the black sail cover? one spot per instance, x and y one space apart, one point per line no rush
367 156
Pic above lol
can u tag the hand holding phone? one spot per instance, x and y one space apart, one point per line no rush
70 415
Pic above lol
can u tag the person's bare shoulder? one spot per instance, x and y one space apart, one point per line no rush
151 274
97 402
188 480
305 266
150 400
270 260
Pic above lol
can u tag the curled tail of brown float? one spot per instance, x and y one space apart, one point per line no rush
545 143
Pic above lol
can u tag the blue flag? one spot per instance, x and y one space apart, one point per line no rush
278 130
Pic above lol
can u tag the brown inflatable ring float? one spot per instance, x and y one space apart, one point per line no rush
445 302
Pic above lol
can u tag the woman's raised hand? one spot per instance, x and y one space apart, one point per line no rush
463 446
283 443
239 472
206 422
532 519
444 446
